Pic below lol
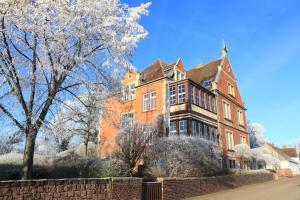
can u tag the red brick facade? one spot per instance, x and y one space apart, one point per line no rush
231 125
203 102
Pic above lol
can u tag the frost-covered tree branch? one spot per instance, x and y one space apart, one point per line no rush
50 50
133 143
8 142
184 156
262 156
256 135
79 117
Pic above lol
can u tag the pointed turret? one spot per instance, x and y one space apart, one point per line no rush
224 49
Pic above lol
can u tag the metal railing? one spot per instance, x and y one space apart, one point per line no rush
152 191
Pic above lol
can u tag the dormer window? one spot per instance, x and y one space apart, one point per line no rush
180 76
170 74
207 83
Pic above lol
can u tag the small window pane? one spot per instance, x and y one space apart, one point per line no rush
181 93
152 100
173 129
172 95
183 127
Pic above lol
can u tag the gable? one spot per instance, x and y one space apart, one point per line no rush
130 77
227 78
153 72
180 65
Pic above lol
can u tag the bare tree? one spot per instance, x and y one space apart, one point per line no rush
79 117
133 142
50 50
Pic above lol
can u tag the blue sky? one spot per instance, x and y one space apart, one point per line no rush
263 39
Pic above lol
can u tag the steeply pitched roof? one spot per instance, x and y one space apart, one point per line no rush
281 153
169 66
204 72
155 71
292 152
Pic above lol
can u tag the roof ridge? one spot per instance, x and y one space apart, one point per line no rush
204 64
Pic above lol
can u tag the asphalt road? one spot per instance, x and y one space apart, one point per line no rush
282 189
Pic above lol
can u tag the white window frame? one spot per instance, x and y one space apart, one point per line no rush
180 76
203 103
132 91
181 93
194 128
127 120
129 92
227 110
243 139
208 102
126 93
172 95
200 129
183 127
145 102
213 104
230 140
173 129
192 94
197 96
240 117
231 89
153 100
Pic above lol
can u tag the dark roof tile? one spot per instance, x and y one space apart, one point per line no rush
154 71
205 72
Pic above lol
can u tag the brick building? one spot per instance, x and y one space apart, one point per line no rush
202 102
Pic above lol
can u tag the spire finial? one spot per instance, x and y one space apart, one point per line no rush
224 49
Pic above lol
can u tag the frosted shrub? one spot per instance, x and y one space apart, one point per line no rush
184 157
15 158
92 150
108 168
67 164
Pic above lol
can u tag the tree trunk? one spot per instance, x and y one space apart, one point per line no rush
86 149
28 155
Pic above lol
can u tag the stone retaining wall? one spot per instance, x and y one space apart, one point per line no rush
71 189
180 188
